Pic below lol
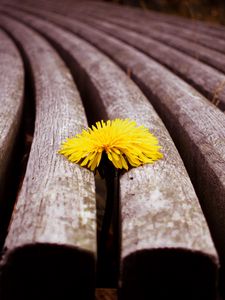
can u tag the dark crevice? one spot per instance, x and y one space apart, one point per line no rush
109 233
20 154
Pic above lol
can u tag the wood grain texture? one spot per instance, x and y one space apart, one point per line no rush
192 48
202 35
53 228
159 207
206 31
11 99
197 126
205 78
140 14
130 13
199 52
208 27
204 39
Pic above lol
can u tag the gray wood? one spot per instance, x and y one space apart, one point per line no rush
131 13
202 34
199 52
181 107
206 79
114 49
160 211
52 235
11 99
148 28
193 24
204 39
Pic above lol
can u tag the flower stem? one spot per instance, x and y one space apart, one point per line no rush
108 247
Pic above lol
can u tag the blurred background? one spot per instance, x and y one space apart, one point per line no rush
207 10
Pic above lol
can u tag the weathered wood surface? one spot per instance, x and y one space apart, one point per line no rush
162 33
199 52
206 79
51 244
186 112
131 13
141 14
164 213
180 107
204 39
209 56
11 99
209 28
201 34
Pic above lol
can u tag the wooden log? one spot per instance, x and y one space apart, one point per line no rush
159 208
11 99
51 245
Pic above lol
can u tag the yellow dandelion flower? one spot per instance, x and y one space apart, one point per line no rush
125 143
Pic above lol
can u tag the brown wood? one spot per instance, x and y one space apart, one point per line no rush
51 244
160 211
106 294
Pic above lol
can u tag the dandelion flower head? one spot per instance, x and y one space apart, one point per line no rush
125 143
